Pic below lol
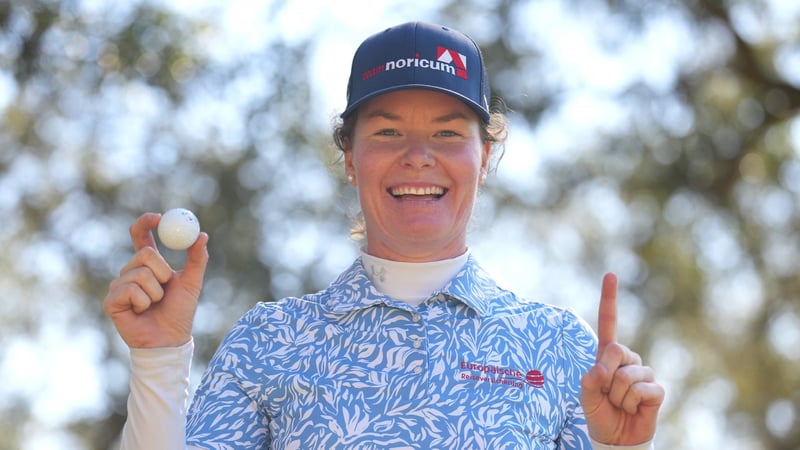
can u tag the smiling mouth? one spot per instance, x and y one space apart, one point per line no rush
409 192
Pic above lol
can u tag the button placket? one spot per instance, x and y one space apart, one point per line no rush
418 344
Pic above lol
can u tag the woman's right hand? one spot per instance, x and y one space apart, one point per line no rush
151 304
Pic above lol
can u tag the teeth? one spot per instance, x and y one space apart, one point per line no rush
407 190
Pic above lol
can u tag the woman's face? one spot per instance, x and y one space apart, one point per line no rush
416 157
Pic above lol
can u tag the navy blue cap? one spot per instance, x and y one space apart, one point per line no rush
419 55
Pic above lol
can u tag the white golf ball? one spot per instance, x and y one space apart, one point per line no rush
178 229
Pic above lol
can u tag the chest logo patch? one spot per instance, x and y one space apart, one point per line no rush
483 373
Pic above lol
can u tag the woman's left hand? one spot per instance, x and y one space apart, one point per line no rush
619 395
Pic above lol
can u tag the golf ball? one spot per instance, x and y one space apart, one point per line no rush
178 229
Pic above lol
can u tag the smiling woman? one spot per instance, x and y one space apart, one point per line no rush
412 346
442 146
416 157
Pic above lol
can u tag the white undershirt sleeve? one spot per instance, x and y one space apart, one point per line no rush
159 398
644 446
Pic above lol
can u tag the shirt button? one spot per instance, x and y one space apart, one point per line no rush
417 370
415 317
417 343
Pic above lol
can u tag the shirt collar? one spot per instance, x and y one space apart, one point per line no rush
353 290
473 286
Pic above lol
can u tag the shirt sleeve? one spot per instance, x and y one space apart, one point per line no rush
226 410
578 350
158 399
644 446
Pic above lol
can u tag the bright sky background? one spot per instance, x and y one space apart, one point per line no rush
340 26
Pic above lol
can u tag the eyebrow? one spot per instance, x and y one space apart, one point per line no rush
379 113
451 117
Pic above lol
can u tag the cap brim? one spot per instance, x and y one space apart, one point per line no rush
479 110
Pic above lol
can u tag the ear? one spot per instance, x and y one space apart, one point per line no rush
349 167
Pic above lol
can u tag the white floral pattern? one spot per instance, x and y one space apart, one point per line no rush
473 367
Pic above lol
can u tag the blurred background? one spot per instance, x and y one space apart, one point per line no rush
656 139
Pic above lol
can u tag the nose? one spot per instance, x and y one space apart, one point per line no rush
418 154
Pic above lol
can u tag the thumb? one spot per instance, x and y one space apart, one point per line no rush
196 262
592 383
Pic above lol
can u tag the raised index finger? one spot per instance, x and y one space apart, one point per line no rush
142 231
607 313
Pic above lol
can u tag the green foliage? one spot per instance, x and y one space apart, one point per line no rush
687 187
707 173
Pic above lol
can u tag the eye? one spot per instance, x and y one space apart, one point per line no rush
387 132
448 133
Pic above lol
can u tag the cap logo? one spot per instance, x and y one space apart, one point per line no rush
448 56
447 60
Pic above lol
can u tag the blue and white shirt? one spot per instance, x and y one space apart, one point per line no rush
472 367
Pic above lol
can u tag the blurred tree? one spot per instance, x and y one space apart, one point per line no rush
687 185
110 110
692 193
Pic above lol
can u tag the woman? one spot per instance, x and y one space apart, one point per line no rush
414 345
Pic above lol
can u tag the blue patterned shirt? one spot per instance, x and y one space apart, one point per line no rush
473 367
